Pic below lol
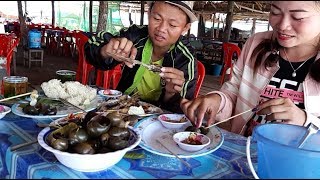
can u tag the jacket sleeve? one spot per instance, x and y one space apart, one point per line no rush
94 44
230 89
92 50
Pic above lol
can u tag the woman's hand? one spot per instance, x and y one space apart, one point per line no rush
202 107
282 109
121 47
174 80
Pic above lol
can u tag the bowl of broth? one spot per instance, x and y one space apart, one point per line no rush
66 75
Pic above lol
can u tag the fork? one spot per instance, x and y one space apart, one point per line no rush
150 67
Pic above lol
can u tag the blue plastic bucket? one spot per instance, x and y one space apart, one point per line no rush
278 155
34 39
216 69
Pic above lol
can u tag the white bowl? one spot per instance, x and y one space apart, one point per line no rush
180 136
6 111
88 162
166 119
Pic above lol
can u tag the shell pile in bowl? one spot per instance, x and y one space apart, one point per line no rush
91 142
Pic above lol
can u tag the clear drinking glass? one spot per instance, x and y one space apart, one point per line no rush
14 85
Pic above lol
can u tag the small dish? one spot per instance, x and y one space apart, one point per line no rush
191 141
173 121
110 93
4 110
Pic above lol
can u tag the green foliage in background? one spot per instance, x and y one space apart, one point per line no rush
80 21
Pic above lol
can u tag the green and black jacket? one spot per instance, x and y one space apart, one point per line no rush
180 57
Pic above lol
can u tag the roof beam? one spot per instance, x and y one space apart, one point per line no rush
250 9
213 5
259 5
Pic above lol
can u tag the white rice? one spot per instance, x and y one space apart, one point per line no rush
72 91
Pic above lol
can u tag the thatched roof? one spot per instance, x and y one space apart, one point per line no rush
242 9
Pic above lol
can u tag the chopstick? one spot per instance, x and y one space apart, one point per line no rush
184 162
229 118
13 97
18 146
68 103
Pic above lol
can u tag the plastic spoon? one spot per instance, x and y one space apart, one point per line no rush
312 129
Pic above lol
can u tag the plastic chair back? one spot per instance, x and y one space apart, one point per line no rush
228 50
108 79
7 44
15 43
201 74
83 67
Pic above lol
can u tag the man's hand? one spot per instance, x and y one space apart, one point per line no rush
174 79
121 47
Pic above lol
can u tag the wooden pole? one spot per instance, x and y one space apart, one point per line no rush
103 16
84 16
53 15
25 7
130 16
90 16
142 13
201 26
23 26
135 16
59 14
253 29
218 28
213 19
227 30
223 24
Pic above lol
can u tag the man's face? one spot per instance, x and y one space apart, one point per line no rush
166 24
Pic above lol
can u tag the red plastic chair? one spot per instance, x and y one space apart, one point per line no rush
52 42
65 43
7 44
228 50
83 67
201 74
6 41
108 79
10 54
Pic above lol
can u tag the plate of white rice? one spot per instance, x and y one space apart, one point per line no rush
74 92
